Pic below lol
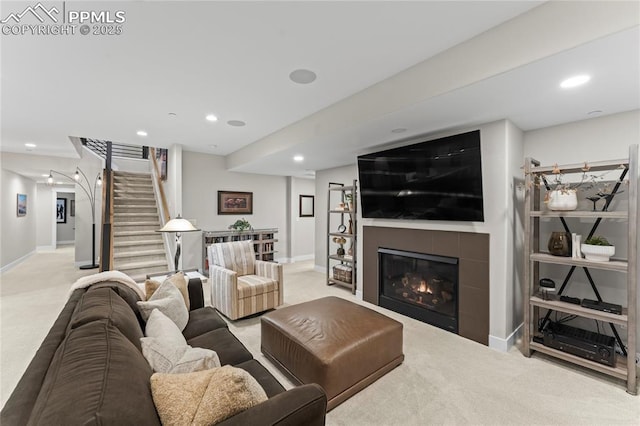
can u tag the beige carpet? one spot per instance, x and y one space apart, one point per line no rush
445 379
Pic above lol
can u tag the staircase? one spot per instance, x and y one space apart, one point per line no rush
138 249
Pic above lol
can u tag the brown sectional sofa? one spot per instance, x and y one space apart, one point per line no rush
90 368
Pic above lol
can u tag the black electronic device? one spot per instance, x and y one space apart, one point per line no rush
547 283
583 343
569 299
602 306
438 179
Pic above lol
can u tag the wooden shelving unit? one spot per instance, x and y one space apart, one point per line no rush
625 367
337 219
263 243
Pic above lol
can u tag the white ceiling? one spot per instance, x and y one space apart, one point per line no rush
233 59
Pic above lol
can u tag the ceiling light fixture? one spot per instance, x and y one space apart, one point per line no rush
236 123
298 158
211 117
141 133
575 81
30 146
302 76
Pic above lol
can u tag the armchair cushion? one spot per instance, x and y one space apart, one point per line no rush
238 256
253 285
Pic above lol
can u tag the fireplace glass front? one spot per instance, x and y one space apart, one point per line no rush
421 286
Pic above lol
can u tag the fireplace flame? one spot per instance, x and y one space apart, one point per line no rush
424 288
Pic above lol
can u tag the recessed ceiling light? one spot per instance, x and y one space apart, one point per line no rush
399 130
173 115
45 175
30 146
302 76
298 158
141 133
575 81
236 123
213 146
595 112
211 117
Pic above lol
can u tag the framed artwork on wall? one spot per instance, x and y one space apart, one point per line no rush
61 210
306 205
21 206
235 202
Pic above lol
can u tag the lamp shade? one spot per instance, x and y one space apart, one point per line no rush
178 225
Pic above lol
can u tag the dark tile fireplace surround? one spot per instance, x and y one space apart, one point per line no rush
470 249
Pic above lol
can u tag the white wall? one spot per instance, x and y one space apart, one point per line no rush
203 175
17 234
45 217
604 138
302 229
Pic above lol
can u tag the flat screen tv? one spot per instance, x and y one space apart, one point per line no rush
439 179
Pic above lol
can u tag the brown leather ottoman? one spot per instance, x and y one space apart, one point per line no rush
339 345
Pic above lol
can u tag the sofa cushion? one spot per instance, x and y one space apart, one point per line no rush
201 321
178 280
206 397
127 293
167 351
225 344
104 303
238 256
168 299
254 285
97 377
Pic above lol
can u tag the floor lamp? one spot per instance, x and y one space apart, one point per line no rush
85 185
178 226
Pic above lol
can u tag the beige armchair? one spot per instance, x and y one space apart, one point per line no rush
240 284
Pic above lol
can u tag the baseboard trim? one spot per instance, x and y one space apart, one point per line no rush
303 258
503 345
16 262
70 242
45 248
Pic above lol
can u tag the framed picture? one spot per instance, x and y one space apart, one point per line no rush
235 202
306 205
61 210
72 208
21 206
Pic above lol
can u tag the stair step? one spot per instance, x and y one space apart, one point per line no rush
131 174
136 215
139 265
132 191
133 233
138 243
149 223
136 253
136 206
123 201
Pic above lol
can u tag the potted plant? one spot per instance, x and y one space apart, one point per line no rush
348 197
597 249
240 225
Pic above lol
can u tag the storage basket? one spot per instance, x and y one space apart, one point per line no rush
342 273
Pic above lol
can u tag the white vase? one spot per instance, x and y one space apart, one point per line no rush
563 199
597 253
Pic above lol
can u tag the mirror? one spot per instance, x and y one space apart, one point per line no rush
306 205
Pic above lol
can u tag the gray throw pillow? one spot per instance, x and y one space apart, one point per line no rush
168 300
167 351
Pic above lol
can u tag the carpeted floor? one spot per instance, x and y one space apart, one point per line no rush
445 379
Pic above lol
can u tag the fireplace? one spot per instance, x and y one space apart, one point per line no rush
421 286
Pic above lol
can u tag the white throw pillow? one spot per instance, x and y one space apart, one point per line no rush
167 351
168 299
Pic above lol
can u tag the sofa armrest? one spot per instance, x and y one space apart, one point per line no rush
303 405
196 294
274 271
224 285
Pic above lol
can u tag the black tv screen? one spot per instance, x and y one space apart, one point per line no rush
434 180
